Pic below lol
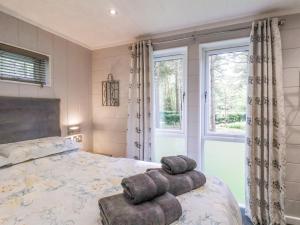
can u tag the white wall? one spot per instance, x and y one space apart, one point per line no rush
110 123
70 77
290 33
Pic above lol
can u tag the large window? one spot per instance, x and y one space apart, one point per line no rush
21 65
225 72
225 94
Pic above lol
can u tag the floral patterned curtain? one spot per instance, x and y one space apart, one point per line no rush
139 102
265 126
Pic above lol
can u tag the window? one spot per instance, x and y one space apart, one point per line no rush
225 92
169 102
169 72
21 65
224 79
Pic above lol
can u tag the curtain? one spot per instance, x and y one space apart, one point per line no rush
265 146
139 102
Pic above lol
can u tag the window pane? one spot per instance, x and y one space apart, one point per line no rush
227 92
166 145
169 92
218 156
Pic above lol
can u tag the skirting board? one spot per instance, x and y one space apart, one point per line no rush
292 220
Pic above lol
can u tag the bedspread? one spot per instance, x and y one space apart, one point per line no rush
64 190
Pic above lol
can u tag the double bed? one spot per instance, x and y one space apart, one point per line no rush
64 188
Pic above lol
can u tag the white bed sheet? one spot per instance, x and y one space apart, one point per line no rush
64 190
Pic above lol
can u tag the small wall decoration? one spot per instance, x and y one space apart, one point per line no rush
110 92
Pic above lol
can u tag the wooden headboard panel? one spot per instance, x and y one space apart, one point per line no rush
28 118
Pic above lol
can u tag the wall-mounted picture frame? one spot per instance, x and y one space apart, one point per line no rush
110 92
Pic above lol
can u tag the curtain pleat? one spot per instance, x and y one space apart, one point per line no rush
139 102
266 141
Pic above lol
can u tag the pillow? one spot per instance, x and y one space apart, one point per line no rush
54 145
3 161
26 150
18 152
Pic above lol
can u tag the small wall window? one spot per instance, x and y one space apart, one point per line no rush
21 65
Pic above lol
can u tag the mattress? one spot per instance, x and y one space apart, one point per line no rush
64 190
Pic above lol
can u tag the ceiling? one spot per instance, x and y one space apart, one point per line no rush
89 23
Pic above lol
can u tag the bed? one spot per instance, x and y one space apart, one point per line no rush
64 188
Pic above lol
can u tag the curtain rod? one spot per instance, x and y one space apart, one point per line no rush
193 36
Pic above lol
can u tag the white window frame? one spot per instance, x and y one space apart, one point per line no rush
205 51
171 54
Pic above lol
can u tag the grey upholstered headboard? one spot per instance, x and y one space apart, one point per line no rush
28 118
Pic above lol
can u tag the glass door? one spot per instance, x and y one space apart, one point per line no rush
169 105
224 115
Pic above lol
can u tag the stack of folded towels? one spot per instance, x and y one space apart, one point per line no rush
181 174
148 198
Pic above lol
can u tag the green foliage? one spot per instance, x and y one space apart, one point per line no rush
168 103
168 75
237 125
170 117
228 85
229 72
230 118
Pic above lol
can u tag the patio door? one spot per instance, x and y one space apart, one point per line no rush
169 105
224 113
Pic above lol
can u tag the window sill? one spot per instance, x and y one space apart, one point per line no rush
24 83
169 132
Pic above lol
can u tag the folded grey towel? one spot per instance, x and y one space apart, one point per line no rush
184 182
144 187
178 164
116 210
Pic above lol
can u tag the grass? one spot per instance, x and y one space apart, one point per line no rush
232 128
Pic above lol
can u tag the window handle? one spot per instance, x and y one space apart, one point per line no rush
205 96
183 96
